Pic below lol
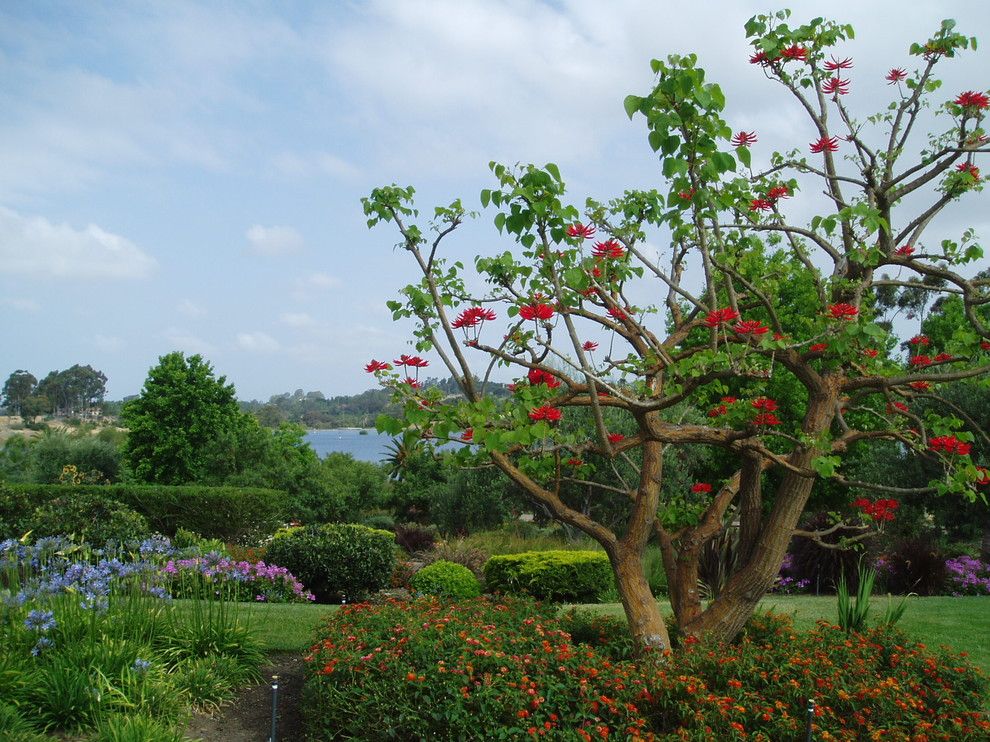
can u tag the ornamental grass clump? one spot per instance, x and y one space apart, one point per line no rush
88 636
508 669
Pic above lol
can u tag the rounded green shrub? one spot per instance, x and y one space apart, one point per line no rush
556 576
446 580
337 562
90 517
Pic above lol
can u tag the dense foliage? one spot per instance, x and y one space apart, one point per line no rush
507 670
446 580
556 576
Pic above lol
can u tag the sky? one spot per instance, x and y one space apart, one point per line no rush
187 175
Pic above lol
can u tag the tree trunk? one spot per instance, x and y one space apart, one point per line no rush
646 623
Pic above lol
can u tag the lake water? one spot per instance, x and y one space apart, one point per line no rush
362 444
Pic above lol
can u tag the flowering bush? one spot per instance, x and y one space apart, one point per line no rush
242 580
507 669
968 576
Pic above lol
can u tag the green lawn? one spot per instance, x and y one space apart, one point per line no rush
961 623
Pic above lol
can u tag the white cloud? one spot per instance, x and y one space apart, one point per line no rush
187 342
22 305
190 308
257 342
308 164
36 246
108 342
274 240
297 319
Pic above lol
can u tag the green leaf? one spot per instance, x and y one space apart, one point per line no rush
486 197
744 155
554 171
632 104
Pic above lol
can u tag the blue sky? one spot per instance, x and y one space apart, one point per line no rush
186 176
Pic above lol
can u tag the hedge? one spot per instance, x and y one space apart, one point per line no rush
558 576
231 514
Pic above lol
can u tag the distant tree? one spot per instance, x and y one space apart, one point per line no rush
270 416
19 386
183 407
35 405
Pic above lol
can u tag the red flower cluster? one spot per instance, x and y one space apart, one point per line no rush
778 192
985 345
760 58
723 408
701 488
718 317
468 435
761 204
972 99
969 168
904 251
795 51
617 313
843 311
895 76
879 510
825 143
920 340
838 64
766 418
897 406
610 249
835 86
579 230
686 195
871 352
615 437
818 347
545 412
984 479
472 317
744 139
411 361
536 310
538 376
943 357
574 462
949 444
377 366
751 327
589 345
920 386
921 360
765 403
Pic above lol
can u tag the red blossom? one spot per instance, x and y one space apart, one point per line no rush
729 400
538 376
818 347
795 51
468 435
701 487
751 327
411 361
778 192
580 230
920 386
411 382
880 510
761 204
871 352
718 411
825 143
835 86
920 340
610 249
972 99
766 418
904 251
838 64
969 168
589 345
472 317
779 336
744 139
377 366
536 310
921 360
943 357
574 462
984 476
843 311
760 58
686 195
895 76
764 403
615 437
949 444
617 313
898 406
723 316
545 412
985 345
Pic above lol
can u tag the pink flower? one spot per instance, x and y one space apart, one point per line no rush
825 143
377 366
579 230
895 76
744 139
546 412
589 345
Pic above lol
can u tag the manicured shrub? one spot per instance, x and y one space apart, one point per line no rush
459 552
16 511
337 562
558 576
507 669
231 514
446 580
90 518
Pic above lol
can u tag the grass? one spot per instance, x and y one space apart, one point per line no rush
960 623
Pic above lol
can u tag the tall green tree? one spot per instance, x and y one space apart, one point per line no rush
19 386
575 319
183 408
